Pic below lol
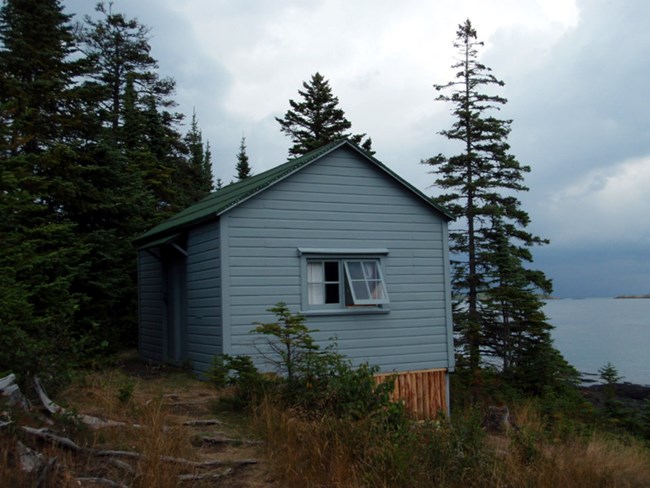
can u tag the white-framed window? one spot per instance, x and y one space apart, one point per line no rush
344 280
365 281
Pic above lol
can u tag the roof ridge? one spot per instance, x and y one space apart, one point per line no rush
223 199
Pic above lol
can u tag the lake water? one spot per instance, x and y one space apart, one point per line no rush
593 331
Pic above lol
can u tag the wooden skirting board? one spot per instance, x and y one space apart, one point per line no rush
424 392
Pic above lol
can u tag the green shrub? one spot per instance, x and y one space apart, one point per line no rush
250 385
315 381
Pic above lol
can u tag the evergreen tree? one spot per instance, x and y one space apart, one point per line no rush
500 313
120 51
243 167
39 263
317 119
136 108
200 161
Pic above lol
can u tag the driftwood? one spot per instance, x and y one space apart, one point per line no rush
227 440
49 436
205 476
197 423
100 481
52 438
122 465
53 408
11 391
209 464
45 471
30 460
122 454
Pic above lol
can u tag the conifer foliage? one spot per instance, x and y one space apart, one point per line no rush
243 167
317 119
499 313
91 155
40 258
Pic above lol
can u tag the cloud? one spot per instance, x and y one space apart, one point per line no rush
604 205
575 76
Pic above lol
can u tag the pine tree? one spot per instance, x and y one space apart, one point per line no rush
317 119
499 313
243 167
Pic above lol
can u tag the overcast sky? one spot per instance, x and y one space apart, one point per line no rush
577 75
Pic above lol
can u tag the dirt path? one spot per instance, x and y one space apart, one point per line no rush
173 434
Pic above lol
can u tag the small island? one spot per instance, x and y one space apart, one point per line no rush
633 296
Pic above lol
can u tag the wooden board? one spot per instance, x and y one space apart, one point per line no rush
424 393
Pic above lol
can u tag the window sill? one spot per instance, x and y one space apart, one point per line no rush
346 311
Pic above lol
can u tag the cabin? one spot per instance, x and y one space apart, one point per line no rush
338 237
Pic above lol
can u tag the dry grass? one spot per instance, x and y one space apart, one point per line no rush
333 453
156 440
323 452
307 453
153 405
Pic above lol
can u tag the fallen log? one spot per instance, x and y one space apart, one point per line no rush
45 471
209 464
100 481
124 466
197 423
30 460
205 476
54 408
111 453
227 440
52 438
11 391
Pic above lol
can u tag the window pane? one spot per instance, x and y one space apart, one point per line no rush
315 292
331 271
315 272
360 290
364 280
376 290
332 293
354 268
371 269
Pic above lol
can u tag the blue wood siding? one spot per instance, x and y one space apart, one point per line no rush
151 307
204 332
342 201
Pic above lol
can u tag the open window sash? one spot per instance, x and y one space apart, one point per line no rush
366 282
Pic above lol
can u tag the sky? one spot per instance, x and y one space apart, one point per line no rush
576 74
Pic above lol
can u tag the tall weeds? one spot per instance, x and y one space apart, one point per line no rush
157 442
359 453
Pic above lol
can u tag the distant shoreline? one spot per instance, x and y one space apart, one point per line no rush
632 296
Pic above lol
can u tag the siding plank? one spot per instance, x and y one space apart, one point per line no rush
343 201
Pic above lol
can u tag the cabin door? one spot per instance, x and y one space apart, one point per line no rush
176 333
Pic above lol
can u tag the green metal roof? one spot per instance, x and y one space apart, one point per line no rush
231 195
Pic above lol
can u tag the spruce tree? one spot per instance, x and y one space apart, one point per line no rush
200 162
499 313
243 167
120 51
39 262
317 119
136 108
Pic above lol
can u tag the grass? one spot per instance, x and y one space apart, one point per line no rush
317 451
340 453
158 401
